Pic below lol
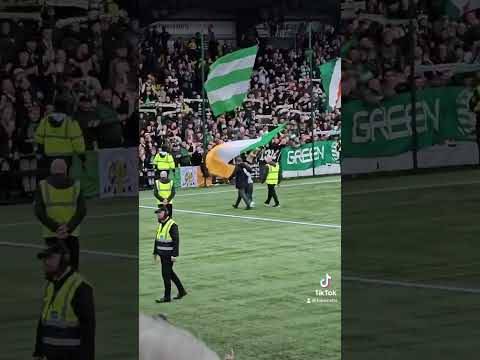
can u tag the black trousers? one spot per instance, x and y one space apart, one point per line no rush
73 246
169 208
272 194
168 276
242 195
249 192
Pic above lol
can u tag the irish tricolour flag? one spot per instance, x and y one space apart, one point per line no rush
218 158
228 81
331 73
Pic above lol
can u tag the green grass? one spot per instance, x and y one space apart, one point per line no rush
249 280
115 280
421 229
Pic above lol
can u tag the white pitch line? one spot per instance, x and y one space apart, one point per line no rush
235 190
86 218
412 285
410 187
249 218
90 252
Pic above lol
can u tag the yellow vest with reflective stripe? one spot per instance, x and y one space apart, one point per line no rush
164 190
164 162
60 204
272 176
59 322
163 240
63 140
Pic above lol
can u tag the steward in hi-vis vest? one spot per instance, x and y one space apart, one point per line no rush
60 208
66 329
60 136
166 246
272 178
164 161
164 192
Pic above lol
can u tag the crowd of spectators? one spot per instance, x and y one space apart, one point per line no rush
91 63
377 46
171 80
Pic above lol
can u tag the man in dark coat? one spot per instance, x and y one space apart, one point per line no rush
242 185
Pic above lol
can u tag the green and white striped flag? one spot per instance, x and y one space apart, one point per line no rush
228 81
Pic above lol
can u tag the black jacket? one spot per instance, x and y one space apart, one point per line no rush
59 182
156 193
241 179
84 307
175 241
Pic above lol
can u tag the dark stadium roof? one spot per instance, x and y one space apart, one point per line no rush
313 7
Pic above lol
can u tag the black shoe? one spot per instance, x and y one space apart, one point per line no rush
235 206
162 300
180 295
276 205
248 208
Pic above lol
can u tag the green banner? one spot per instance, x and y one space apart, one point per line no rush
88 177
305 157
177 180
385 129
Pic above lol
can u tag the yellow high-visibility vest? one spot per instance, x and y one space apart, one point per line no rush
272 176
164 190
60 204
60 325
163 240
64 140
164 162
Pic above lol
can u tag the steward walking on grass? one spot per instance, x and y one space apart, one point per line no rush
242 185
167 243
272 178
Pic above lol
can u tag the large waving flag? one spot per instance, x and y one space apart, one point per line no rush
228 81
331 76
218 158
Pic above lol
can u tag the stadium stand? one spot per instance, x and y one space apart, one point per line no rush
376 48
170 93
87 57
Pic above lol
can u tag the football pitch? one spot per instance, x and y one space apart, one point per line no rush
112 242
410 260
250 274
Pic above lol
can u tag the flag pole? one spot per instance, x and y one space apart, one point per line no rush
204 121
312 114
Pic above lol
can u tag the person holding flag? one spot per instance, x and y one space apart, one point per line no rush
244 184
227 86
